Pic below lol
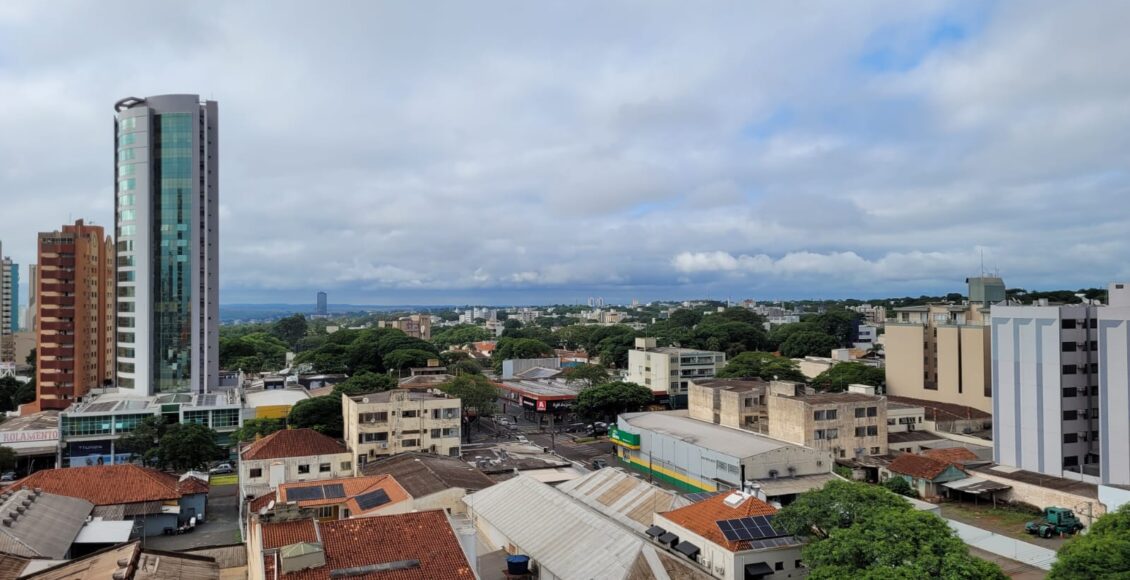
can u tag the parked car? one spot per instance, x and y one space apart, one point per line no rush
503 421
8 476
222 469
522 439
575 428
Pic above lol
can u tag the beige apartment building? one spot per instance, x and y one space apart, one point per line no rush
941 353
416 325
670 369
850 424
382 424
738 403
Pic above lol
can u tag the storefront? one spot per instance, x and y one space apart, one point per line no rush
541 401
34 438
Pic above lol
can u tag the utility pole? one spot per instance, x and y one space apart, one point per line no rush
552 432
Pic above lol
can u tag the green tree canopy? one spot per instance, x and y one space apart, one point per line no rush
739 314
839 376
613 350
460 334
363 383
610 399
838 323
187 446
8 458
781 333
477 394
407 358
586 375
515 348
720 334
465 367
839 504
14 393
323 414
255 428
762 365
145 439
291 329
1102 553
685 318
802 344
900 486
254 352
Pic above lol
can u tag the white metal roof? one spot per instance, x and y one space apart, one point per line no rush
622 497
99 531
563 536
736 443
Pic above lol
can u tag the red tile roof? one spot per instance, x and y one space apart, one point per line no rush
260 502
702 518
292 443
354 486
106 484
918 466
423 536
192 485
279 534
955 455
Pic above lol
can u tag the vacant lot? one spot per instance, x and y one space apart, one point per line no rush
1004 520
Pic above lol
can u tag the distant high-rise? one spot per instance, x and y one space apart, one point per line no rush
323 307
74 293
33 279
167 226
9 307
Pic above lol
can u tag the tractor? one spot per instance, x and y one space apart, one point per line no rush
1056 521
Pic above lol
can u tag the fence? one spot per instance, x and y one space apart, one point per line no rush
1004 546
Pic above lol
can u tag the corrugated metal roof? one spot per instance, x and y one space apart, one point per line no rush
622 497
45 528
561 535
793 485
976 485
736 443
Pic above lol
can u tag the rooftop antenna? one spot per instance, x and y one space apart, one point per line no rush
982 262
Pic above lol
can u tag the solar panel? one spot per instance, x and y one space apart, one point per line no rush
749 528
304 493
697 497
372 499
334 490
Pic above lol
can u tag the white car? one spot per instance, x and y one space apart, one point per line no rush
522 439
503 421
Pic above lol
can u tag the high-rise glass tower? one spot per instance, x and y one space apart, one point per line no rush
167 226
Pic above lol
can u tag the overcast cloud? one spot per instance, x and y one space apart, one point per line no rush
531 152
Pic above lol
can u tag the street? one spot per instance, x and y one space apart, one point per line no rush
221 524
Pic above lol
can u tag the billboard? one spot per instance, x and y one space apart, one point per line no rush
87 453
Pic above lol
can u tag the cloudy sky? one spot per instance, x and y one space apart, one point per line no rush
532 152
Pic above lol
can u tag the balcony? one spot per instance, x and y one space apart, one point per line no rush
62 287
58 262
58 301
58 248
59 352
60 325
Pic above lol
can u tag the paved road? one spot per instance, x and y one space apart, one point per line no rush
579 452
221 525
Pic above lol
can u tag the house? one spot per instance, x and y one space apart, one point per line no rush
733 536
400 420
565 538
958 456
924 474
126 492
433 481
291 455
350 497
410 546
132 562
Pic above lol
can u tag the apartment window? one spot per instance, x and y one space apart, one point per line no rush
1070 461
410 443
1067 323
1069 369
1069 346
1094 323
798 564
323 512
324 468
372 437
380 417
346 465
1070 392
779 566
861 431
860 412
303 469
410 414
1094 367
256 473
875 450
872 431
1070 438
1070 415
436 433
872 411
1094 345
818 415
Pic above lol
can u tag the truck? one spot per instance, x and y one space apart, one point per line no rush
1056 521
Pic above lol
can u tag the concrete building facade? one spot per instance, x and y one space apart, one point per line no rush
942 352
415 325
849 425
75 304
736 403
167 231
9 307
669 370
400 420
322 308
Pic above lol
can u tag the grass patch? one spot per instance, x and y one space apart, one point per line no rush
226 479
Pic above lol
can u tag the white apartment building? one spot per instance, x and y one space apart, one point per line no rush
669 369
399 420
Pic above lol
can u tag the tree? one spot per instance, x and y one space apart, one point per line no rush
839 324
839 376
802 344
587 375
739 314
1103 552
145 439
475 392
718 333
186 446
515 348
460 334
290 329
613 350
8 458
780 334
399 360
685 318
14 393
322 414
254 428
254 352
364 383
900 486
761 365
465 367
860 530
610 399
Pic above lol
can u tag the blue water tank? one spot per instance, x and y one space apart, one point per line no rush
517 565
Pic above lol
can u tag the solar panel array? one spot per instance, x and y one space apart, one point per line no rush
697 497
305 493
749 528
334 490
773 543
372 499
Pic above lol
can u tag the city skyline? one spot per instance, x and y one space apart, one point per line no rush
671 156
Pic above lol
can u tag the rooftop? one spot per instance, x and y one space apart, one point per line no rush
955 455
1080 488
386 396
34 422
110 484
911 437
626 499
702 518
680 350
835 398
918 466
544 387
506 457
279 534
736 443
120 402
943 411
422 474
47 526
292 443
141 564
734 385
360 495
272 397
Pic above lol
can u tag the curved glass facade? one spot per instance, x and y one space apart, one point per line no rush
172 291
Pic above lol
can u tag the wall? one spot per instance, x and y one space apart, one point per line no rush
290 469
194 505
397 423
450 500
905 364
728 565
1114 393
155 524
1085 508
793 420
